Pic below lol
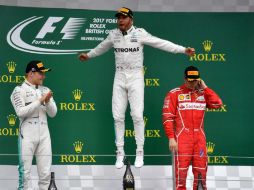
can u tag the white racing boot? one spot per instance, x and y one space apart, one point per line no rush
119 159
139 161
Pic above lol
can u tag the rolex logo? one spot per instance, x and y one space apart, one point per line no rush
78 105
210 147
208 56
77 158
145 120
11 66
12 119
77 94
78 145
207 45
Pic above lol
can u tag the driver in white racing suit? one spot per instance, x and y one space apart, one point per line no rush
128 42
32 102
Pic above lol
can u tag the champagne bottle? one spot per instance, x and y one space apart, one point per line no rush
200 185
52 185
128 178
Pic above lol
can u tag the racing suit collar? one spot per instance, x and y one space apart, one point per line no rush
186 89
31 85
128 31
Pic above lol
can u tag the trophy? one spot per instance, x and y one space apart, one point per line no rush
52 185
128 178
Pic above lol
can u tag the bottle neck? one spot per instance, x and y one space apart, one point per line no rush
52 175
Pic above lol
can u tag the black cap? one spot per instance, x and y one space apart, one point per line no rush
36 66
191 73
124 11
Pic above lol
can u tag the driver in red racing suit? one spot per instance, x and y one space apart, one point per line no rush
183 120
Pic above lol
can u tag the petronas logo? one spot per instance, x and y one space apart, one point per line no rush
210 147
78 146
207 45
11 66
12 119
77 94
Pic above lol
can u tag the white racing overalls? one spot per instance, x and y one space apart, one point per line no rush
129 77
34 137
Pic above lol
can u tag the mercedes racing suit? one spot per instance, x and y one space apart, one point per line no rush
183 119
129 76
34 137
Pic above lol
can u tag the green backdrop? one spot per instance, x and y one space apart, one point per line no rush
226 64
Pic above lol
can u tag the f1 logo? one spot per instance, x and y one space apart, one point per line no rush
69 30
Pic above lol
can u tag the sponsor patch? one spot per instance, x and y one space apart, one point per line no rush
192 106
127 49
166 103
201 153
184 97
201 98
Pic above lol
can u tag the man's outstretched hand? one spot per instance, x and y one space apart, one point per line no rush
83 57
189 51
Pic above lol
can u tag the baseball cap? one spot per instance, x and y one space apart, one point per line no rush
124 11
191 73
36 66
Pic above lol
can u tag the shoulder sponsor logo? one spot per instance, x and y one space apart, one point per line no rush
166 103
175 90
201 98
192 106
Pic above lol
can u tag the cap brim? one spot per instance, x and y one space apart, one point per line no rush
45 70
121 13
191 79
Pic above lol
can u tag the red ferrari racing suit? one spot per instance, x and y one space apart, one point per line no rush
183 119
